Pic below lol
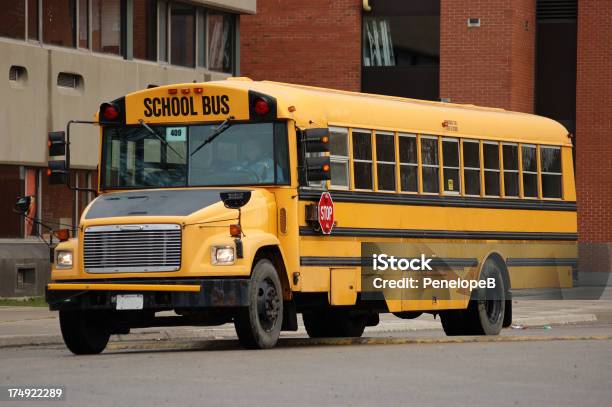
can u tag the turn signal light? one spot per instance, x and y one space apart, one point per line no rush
235 230
62 234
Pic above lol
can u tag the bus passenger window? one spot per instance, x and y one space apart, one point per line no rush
450 161
471 167
491 168
430 163
409 166
551 171
511 175
530 171
338 143
385 161
362 159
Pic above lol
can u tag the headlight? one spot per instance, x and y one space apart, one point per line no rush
63 259
222 255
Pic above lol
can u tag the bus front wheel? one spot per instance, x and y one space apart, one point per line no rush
85 332
258 326
485 312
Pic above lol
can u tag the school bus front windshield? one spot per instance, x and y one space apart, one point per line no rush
177 155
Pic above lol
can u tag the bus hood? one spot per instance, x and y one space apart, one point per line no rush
169 202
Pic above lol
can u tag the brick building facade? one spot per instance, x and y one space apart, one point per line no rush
519 55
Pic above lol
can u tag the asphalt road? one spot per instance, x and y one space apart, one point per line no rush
531 367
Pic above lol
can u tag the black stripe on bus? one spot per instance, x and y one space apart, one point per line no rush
446 201
366 261
440 234
541 262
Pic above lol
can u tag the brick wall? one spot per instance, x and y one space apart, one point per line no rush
490 65
315 42
594 121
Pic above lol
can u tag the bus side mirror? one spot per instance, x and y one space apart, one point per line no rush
318 168
23 205
57 170
235 199
57 173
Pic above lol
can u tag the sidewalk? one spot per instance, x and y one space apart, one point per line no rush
22 326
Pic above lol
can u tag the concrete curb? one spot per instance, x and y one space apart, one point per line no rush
135 340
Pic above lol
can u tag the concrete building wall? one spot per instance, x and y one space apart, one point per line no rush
314 42
36 104
490 65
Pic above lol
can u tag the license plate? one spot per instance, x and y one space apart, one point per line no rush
130 301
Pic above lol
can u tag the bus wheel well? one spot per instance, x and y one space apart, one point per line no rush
497 258
273 254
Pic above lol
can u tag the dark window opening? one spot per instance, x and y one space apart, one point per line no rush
362 160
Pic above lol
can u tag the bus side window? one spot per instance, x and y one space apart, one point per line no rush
450 170
530 171
409 165
430 164
491 167
362 159
338 152
551 171
385 161
511 174
471 167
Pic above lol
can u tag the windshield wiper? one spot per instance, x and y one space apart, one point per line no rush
220 129
160 138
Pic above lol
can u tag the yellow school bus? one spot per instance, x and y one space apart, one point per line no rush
250 202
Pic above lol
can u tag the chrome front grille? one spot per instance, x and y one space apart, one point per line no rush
132 248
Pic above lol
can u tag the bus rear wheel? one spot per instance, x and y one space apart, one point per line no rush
258 326
334 324
485 312
85 332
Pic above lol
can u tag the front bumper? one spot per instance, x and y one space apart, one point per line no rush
158 295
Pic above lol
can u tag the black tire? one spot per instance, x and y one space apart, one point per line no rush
258 326
85 332
485 312
329 323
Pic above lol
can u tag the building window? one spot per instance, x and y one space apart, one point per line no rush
220 39
471 167
201 28
338 140
59 22
12 19
145 29
401 40
33 19
106 26
182 35
511 173
430 164
450 161
84 23
551 172
491 168
162 34
385 161
409 165
530 171
362 159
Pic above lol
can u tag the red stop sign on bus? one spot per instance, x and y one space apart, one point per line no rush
326 213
